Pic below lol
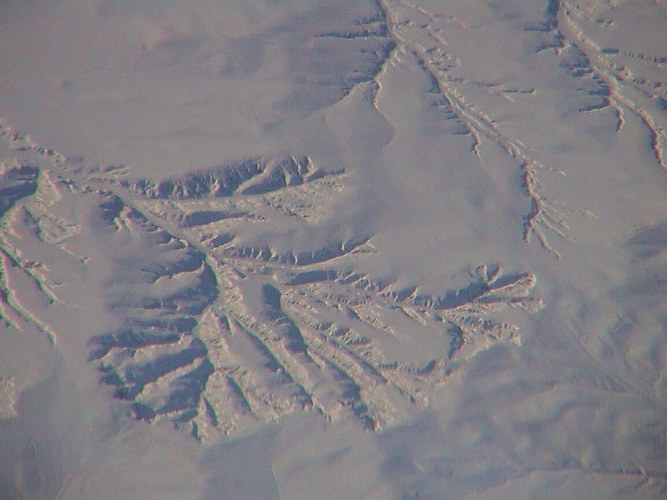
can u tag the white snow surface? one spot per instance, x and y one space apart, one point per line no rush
333 249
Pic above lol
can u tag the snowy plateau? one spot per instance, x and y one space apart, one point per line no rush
333 249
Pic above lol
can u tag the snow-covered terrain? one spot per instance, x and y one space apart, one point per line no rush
333 249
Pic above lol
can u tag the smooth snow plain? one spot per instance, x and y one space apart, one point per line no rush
333 249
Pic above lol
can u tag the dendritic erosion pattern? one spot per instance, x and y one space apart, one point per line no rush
606 78
218 336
